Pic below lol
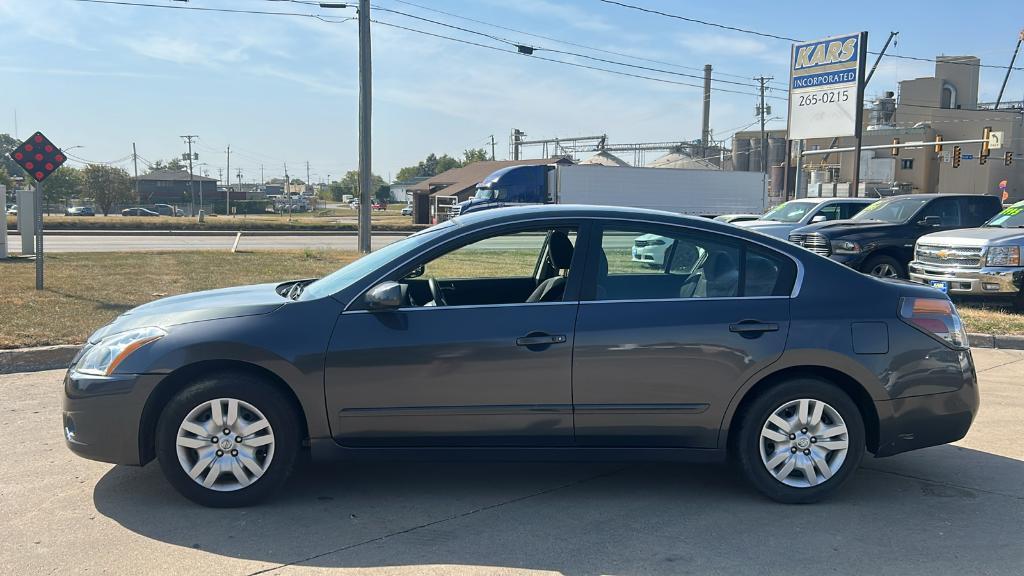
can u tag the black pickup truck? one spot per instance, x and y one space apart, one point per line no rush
879 240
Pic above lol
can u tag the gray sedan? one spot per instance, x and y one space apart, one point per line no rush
532 333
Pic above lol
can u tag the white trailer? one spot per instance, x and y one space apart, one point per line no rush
692 192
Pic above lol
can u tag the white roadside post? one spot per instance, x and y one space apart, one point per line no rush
3 224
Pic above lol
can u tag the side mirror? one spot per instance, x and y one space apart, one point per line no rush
384 296
818 218
930 221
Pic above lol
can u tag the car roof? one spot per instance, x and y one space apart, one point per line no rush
838 199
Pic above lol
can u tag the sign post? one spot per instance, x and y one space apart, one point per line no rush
826 91
39 158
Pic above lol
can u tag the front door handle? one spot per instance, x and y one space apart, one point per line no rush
753 327
540 339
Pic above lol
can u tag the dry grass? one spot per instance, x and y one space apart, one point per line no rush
86 290
343 219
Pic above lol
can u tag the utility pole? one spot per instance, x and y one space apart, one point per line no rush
705 135
492 148
135 161
365 100
227 194
189 138
307 174
1020 38
761 110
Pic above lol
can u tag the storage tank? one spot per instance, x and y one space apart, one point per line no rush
755 155
741 155
776 151
777 179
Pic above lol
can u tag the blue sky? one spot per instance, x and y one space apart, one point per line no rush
283 89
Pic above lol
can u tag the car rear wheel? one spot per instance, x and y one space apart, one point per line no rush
799 441
884 267
228 440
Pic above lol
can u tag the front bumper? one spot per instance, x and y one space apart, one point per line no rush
914 422
1002 281
102 416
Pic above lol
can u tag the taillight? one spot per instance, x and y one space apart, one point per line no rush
935 316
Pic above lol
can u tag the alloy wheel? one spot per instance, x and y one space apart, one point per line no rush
804 443
225 444
885 270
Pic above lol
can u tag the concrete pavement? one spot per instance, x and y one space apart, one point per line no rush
98 242
955 509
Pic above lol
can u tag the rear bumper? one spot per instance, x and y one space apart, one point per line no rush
928 420
979 282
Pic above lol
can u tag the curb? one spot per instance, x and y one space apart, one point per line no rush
1000 341
36 359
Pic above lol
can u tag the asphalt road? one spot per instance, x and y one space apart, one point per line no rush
185 241
947 510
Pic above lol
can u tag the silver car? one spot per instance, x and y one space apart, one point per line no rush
789 216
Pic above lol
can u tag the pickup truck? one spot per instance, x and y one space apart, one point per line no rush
880 239
981 261
789 216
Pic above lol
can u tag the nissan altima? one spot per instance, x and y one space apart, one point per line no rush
530 333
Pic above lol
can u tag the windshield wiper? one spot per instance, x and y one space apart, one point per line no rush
295 291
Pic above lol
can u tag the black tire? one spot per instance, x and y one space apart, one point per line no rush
880 260
754 417
276 407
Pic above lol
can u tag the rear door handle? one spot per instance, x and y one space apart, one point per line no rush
753 327
540 339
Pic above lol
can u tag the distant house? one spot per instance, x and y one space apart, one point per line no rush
459 184
172 187
400 190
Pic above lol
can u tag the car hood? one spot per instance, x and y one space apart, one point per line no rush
198 306
975 237
834 228
769 227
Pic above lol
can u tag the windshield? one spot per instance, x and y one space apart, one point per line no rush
1012 217
345 276
486 194
892 210
789 211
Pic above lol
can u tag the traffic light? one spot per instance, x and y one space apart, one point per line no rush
895 150
1008 158
956 156
938 143
985 134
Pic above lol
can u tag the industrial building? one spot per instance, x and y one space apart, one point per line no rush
944 105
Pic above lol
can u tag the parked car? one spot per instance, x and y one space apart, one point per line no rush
975 261
650 250
789 216
565 346
138 211
734 218
879 240
79 211
168 210
13 210
407 211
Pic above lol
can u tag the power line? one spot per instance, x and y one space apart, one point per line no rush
562 41
786 38
565 62
205 9
556 51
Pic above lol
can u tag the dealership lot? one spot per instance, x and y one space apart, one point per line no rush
946 510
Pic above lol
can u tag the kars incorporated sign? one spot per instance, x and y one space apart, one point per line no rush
825 95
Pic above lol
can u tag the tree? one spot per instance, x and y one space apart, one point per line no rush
106 185
7 145
5 179
474 155
172 164
62 185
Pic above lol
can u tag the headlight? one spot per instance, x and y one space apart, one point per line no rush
103 358
845 247
1003 256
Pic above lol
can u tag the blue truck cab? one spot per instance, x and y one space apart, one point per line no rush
509 186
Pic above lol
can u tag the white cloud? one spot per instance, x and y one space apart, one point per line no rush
575 17
725 45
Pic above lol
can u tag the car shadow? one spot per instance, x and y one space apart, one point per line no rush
944 508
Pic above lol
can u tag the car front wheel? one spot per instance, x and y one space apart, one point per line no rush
228 440
884 267
800 441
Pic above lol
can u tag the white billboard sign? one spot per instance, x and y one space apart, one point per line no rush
826 87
